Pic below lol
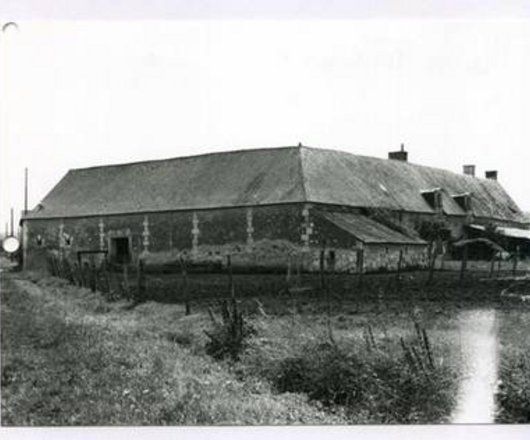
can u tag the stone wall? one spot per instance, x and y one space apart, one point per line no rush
267 237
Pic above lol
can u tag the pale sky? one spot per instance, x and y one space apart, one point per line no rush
78 94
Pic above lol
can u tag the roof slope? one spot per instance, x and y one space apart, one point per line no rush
345 179
236 178
267 176
368 230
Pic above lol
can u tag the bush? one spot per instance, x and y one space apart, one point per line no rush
229 338
373 386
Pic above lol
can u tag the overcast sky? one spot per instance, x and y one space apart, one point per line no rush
84 93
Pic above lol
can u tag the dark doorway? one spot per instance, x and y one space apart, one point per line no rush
120 251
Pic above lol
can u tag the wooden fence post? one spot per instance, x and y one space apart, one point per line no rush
398 271
125 284
444 253
298 270
140 281
93 277
185 285
360 265
492 265
432 262
86 275
230 276
79 274
464 263
106 278
68 271
515 258
288 274
322 268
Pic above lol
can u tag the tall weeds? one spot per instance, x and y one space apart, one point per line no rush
229 336
377 382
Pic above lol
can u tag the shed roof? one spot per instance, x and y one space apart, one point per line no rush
494 246
507 232
268 176
367 230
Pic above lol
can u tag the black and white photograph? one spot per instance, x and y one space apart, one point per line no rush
299 217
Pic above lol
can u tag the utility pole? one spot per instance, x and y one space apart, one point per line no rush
25 191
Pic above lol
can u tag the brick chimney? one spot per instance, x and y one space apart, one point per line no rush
401 155
469 170
491 174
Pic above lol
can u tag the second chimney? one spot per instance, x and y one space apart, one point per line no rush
469 170
401 155
491 174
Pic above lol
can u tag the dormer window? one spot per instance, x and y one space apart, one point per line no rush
464 201
434 198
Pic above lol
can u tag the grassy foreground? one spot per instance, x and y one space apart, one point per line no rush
513 395
70 359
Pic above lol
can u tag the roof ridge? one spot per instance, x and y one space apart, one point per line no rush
402 163
190 156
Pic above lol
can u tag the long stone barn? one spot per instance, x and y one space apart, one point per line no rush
266 208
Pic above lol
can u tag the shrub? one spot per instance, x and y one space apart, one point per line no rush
375 385
229 336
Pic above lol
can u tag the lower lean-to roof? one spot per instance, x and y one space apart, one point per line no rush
367 230
265 177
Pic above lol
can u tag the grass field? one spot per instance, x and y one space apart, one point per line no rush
513 397
71 358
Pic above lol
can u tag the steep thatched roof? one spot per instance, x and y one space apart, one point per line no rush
268 176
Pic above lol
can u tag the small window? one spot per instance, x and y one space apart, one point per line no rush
39 240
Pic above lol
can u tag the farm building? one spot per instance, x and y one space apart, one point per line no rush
264 207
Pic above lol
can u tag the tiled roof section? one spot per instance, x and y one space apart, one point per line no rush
368 230
240 178
268 176
345 179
